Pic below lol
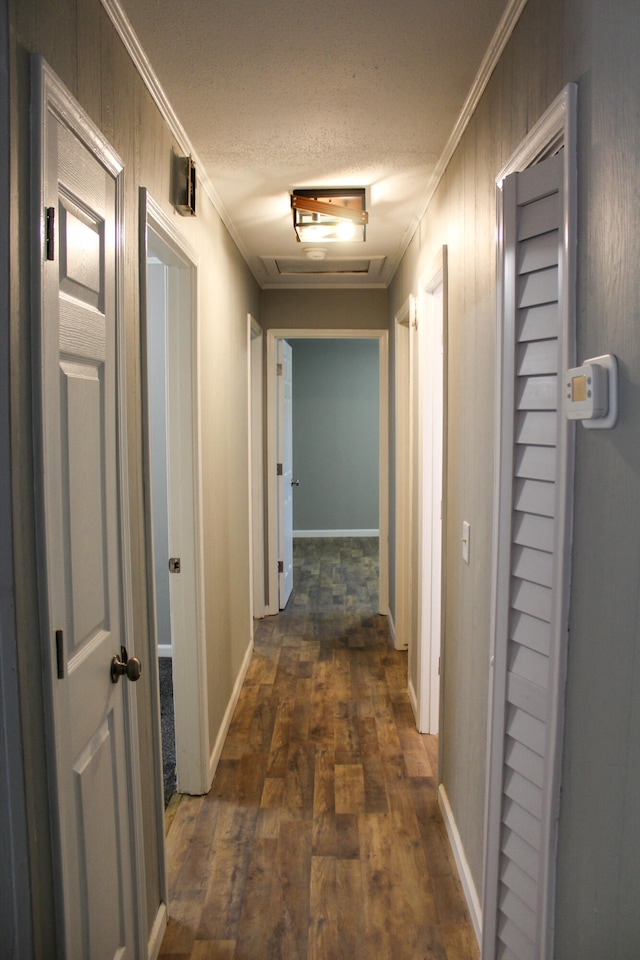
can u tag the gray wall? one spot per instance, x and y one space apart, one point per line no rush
336 400
594 43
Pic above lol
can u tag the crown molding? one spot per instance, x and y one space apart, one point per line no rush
150 79
490 60
499 40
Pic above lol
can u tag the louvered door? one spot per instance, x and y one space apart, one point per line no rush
530 613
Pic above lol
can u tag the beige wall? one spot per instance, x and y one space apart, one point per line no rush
82 47
594 43
325 309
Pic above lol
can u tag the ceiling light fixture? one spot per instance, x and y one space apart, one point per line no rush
329 214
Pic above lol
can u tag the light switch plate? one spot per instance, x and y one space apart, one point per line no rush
466 536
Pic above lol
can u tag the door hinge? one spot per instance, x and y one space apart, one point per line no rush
50 224
60 654
174 565
280 566
278 469
278 369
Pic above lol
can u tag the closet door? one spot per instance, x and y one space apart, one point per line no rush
532 570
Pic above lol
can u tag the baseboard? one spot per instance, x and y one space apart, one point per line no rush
157 932
336 533
413 700
165 650
226 720
468 886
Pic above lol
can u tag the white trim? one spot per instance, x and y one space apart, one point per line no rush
464 870
228 714
499 41
336 533
305 333
192 724
165 650
392 626
404 335
255 466
157 932
150 79
430 496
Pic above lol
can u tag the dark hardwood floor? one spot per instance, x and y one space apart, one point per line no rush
321 837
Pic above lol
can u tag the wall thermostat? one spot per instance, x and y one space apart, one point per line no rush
591 392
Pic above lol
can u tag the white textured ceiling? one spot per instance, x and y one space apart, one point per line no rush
288 93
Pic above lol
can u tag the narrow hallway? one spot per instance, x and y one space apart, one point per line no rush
321 836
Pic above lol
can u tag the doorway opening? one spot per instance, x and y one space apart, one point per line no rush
274 527
168 271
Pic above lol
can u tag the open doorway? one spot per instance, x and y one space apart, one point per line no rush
274 531
169 320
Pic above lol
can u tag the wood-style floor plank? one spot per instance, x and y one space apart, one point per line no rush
321 837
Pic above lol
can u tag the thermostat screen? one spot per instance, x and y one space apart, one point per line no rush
578 389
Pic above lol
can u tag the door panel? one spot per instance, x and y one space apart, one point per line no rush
82 548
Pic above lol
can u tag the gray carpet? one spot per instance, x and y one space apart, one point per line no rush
167 728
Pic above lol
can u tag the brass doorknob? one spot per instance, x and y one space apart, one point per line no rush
129 667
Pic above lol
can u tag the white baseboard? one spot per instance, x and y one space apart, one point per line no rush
165 650
468 886
336 533
157 932
413 700
228 714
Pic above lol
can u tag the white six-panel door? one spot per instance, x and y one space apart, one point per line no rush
83 563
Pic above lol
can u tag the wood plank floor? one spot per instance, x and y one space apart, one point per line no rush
321 838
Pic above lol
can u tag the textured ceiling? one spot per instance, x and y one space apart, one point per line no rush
284 94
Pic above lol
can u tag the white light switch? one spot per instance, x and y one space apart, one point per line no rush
466 536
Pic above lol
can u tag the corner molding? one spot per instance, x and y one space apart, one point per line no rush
490 60
150 79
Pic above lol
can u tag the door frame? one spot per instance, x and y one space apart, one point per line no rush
306 333
431 474
404 338
255 348
189 669
50 96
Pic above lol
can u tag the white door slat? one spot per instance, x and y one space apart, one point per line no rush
524 792
514 938
518 912
530 632
537 357
537 427
535 463
533 531
538 322
520 852
531 598
523 886
525 761
539 217
521 822
527 697
535 496
533 565
528 664
538 252
537 393
540 287
529 578
524 727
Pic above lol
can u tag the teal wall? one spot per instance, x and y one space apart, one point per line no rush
335 434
